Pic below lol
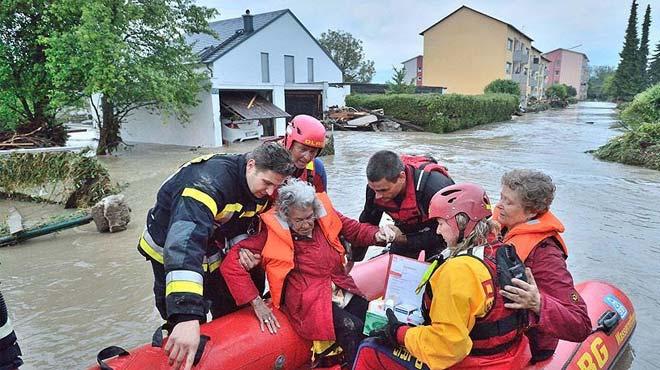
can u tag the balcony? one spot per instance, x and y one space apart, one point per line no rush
535 67
533 82
521 56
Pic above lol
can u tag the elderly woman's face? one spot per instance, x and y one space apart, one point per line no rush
511 210
301 220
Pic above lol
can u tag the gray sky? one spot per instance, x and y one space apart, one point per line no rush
390 29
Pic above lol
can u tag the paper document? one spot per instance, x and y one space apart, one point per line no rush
403 277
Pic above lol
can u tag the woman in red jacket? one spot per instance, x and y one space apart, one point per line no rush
556 310
304 263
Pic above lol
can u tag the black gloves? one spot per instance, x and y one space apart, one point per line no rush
387 334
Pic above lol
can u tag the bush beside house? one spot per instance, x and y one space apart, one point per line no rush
441 113
640 145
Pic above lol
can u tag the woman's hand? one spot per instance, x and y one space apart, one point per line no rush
265 315
247 259
523 295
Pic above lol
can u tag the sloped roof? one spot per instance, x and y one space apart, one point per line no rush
231 34
478 12
570 51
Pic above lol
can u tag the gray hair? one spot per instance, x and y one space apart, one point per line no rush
295 193
478 236
535 189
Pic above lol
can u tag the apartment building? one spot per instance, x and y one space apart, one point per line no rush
537 74
414 69
467 49
569 67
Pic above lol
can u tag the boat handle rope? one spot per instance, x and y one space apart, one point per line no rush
107 353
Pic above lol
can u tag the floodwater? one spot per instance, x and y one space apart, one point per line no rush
77 291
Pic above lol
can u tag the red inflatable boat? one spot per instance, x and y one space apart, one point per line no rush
612 316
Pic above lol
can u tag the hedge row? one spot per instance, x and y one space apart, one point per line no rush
441 113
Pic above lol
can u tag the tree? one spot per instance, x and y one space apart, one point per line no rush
557 92
347 51
131 53
654 67
644 49
598 75
25 85
570 90
627 81
503 86
398 85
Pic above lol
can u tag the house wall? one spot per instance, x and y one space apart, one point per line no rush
143 126
465 52
572 70
337 95
411 71
240 68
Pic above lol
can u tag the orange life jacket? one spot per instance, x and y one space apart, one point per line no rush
278 252
526 236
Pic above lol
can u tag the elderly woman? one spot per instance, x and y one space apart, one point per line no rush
466 325
556 310
304 263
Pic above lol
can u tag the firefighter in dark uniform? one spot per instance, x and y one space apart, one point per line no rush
214 197
402 187
10 353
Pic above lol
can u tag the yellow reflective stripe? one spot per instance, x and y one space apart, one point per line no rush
203 198
184 287
214 266
229 208
150 251
310 165
248 214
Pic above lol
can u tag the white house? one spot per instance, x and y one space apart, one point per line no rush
266 67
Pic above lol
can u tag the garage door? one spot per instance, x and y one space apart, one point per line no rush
304 102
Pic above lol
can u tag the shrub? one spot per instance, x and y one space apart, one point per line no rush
557 91
645 108
69 178
503 86
640 147
441 113
570 90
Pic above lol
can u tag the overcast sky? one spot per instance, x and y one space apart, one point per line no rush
390 29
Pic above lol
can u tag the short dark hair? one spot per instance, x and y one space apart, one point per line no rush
384 164
271 156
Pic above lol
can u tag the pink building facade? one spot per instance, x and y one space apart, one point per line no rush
570 68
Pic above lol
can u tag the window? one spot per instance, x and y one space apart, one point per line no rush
509 44
265 68
557 73
516 45
419 69
310 69
536 61
419 78
508 68
289 71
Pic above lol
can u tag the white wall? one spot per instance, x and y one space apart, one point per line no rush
337 95
411 71
242 65
145 127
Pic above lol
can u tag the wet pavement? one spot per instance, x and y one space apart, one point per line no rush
77 291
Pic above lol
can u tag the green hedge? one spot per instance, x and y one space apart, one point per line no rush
441 113
640 147
645 108
73 179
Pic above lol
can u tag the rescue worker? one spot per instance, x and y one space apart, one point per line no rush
465 326
304 139
303 259
404 192
10 353
230 190
556 309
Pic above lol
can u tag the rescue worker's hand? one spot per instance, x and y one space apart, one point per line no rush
388 334
399 236
182 345
524 296
385 235
265 315
247 259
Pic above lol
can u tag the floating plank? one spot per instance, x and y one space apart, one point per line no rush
15 221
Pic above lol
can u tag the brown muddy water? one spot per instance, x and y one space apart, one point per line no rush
77 291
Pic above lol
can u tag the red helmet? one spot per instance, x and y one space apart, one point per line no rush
306 130
467 198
